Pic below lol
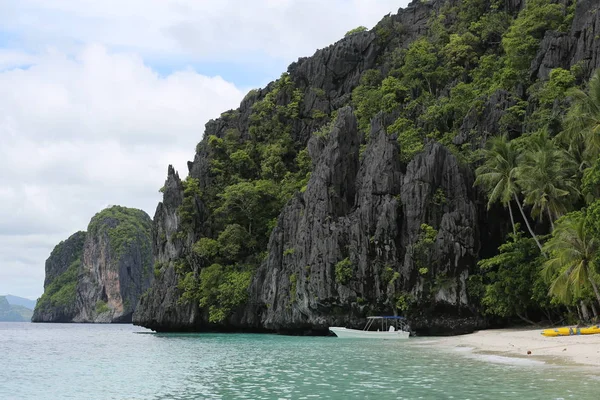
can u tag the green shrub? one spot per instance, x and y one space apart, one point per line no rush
293 287
206 247
220 289
358 29
343 271
523 37
389 276
439 197
157 269
62 291
101 307
125 227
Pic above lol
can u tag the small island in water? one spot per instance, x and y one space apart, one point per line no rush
99 275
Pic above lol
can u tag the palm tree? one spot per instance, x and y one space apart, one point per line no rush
547 178
498 175
571 264
583 120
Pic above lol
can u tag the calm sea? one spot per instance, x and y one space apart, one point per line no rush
62 361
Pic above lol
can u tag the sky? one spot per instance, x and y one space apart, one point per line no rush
99 97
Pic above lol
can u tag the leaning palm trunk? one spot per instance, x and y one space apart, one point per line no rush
524 318
512 218
595 287
551 220
585 314
579 314
528 226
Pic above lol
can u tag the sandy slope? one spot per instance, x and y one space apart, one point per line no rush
583 349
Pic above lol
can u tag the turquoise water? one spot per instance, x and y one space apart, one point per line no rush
61 361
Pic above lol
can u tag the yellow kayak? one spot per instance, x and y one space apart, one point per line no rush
566 331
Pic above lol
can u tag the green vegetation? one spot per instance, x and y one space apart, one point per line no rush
219 289
251 180
523 37
513 283
125 227
433 84
571 266
293 287
102 307
421 250
358 29
62 291
552 179
343 271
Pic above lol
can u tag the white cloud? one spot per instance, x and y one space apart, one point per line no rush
80 133
197 29
15 58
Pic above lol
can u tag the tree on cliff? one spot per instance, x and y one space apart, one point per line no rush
583 120
546 176
499 174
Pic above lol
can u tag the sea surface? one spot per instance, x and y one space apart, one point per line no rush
69 361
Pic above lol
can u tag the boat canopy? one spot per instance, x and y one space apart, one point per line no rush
399 323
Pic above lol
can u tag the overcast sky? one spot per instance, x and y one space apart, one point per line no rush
99 97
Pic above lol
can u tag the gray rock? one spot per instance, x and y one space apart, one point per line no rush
160 307
113 267
479 124
371 215
63 255
579 46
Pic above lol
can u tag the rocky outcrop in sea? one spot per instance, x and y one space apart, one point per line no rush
99 275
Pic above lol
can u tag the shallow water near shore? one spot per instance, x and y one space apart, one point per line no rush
69 361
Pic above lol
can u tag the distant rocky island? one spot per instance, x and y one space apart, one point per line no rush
99 275
15 309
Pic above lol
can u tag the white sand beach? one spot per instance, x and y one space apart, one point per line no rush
579 349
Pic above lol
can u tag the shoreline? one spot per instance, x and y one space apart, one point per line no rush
577 350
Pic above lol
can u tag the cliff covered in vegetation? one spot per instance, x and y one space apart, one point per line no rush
358 183
99 275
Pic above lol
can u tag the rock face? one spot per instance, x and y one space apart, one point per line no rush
57 304
369 213
370 233
578 46
100 275
160 306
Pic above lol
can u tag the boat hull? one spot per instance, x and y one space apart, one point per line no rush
345 333
566 331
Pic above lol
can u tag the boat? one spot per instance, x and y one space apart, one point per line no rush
570 331
391 327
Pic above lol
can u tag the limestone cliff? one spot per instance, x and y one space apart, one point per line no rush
373 229
99 275
57 304
368 213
